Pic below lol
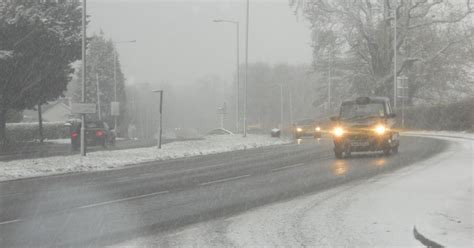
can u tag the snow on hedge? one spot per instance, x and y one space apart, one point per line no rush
106 160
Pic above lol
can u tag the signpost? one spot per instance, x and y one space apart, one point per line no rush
222 111
402 92
83 108
115 108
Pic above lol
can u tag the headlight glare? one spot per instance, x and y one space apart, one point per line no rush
380 129
318 129
299 129
338 131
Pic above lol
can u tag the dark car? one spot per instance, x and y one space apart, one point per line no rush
98 133
308 127
365 124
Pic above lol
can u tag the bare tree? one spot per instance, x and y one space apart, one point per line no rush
430 33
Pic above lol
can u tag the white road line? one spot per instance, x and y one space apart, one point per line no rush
10 221
288 167
123 199
223 180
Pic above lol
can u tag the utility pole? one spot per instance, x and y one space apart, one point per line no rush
291 105
98 97
83 116
238 81
246 68
281 106
329 82
395 57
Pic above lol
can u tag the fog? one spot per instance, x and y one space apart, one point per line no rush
180 48
178 42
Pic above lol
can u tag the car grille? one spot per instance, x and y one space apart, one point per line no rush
359 132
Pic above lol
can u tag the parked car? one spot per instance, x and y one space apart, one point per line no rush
308 127
365 124
98 133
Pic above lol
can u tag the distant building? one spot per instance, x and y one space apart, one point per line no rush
58 110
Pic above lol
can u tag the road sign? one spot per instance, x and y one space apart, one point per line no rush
402 87
83 108
115 108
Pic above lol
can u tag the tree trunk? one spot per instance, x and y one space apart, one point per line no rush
3 121
40 124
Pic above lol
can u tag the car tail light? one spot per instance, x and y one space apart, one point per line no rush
99 133
74 135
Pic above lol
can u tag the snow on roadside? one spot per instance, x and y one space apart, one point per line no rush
58 141
447 134
435 195
106 160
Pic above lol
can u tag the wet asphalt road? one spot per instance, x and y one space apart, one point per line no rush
101 208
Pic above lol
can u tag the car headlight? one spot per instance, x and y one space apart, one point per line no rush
380 129
299 129
338 131
318 129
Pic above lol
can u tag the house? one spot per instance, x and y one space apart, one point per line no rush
58 110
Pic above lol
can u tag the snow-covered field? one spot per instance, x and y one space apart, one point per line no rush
435 195
106 160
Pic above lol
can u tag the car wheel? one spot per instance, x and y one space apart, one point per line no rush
395 149
386 151
348 153
338 154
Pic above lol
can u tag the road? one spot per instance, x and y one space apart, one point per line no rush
103 208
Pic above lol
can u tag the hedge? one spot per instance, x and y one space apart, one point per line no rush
458 116
18 132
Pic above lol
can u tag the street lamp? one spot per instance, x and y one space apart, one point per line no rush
395 57
160 131
83 115
236 23
115 82
246 67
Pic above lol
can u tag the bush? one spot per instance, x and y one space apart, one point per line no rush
458 116
20 132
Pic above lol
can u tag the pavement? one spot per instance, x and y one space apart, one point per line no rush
111 207
50 148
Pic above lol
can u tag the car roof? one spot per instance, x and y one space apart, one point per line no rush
372 99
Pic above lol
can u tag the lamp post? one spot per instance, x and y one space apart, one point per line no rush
237 110
115 79
395 57
246 68
160 130
83 98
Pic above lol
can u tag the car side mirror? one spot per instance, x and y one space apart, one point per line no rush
392 115
335 118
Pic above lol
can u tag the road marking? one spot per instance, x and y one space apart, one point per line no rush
123 199
10 221
288 167
224 180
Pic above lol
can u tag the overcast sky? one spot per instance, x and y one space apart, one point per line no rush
178 42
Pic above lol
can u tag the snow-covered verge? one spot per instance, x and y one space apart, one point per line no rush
435 195
106 160
451 134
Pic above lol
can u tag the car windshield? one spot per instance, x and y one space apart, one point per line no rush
350 111
94 125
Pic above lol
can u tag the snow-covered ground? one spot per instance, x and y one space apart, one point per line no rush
106 160
435 195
